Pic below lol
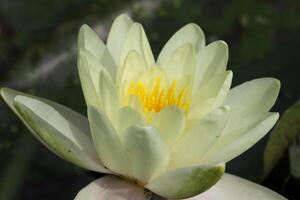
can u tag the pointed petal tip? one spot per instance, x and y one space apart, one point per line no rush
3 90
196 26
84 27
124 16
222 42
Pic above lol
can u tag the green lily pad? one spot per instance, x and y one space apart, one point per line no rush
285 131
294 156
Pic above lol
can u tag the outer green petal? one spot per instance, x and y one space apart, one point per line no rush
108 144
180 63
170 122
256 96
237 140
190 33
112 188
211 61
148 152
109 97
137 40
89 40
127 117
134 65
231 187
194 144
117 36
186 182
62 130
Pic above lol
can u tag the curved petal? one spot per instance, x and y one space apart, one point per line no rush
211 61
60 129
134 65
112 188
231 187
180 63
191 147
217 89
148 152
190 33
170 122
236 140
186 182
117 36
88 68
108 144
127 117
108 94
151 75
256 96
137 40
89 40
201 109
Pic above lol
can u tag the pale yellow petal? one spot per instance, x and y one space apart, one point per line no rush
108 144
90 41
137 40
170 122
180 63
117 36
148 152
190 33
211 61
191 147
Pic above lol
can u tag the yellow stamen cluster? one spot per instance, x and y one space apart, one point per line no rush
156 98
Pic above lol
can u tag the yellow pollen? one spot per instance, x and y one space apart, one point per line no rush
156 98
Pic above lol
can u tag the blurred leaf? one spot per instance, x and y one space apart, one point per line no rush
281 137
294 155
15 170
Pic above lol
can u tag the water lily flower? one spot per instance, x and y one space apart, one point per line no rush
168 125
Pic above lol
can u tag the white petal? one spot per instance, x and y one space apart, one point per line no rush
62 130
135 103
190 33
240 137
194 144
231 187
186 182
256 96
201 109
137 40
127 117
117 36
216 89
148 152
112 188
134 66
108 144
170 122
151 75
89 40
88 68
108 94
211 61
180 63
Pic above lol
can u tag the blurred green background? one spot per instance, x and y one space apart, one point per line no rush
38 55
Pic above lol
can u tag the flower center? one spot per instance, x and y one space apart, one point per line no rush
155 98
